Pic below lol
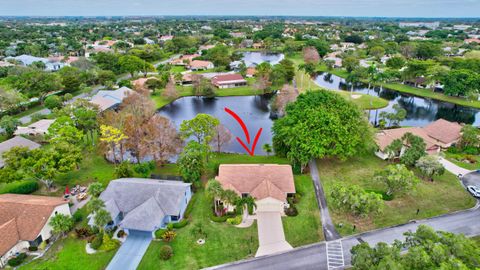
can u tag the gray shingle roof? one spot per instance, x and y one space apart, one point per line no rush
14 142
144 202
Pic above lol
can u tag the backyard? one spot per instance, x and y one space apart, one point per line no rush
444 195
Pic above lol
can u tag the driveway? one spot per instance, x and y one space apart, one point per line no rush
131 252
451 167
271 237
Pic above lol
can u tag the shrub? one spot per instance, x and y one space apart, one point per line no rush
17 260
170 226
159 233
32 248
83 233
42 245
166 252
52 102
67 97
97 241
108 243
168 236
77 216
214 218
470 150
471 158
189 208
291 211
123 170
182 223
121 233
20 187
234 221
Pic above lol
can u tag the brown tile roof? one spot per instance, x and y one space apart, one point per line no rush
444 131
30 213
200 64
251 71
227 78
385 137
9 234
259 180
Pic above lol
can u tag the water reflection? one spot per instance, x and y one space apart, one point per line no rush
420 111
256 58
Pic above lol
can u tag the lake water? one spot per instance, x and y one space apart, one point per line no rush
420 111
254 110
256 58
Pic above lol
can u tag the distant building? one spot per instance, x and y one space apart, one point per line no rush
110 99
16 141
431 25
38 128
196 65
27 60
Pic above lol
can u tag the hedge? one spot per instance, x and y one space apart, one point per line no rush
20 187
182 223
17 260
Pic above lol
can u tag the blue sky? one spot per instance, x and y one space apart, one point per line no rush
382 8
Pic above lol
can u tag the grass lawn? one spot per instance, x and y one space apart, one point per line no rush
224 242
305 228
69 253
442 196
413 90
177 69
476 239
364 101
459 160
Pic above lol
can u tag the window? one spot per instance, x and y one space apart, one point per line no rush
174 218
244 195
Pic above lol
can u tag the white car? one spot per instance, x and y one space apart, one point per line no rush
475 191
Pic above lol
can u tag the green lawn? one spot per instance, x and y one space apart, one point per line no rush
306 228
224 242
459 160
177 69
69 253
364 101
444 195
413 90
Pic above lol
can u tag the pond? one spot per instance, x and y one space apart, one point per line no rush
254 110
256 58
420 111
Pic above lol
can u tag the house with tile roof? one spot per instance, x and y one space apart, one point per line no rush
140 204
196 65
24 222
438 135
228 81
268 184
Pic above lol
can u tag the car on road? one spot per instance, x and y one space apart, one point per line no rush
475 191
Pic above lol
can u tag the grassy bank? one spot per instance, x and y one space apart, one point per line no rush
427 93
442 196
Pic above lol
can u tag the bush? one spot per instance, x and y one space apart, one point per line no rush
97 241
42 245
291 211
121 233
67 97
83 233
17 260
234 221
20 187
32 248
108 243
471 158
159 233
470 150
169 236
166 252
182 223
220 219
123 170
52 102
189 208
77 216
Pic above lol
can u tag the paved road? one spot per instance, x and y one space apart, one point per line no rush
315 257
327 224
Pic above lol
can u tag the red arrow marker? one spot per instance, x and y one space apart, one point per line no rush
245 131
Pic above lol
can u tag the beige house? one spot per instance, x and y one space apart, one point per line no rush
229 81
38 128
24 222
438 135
196 65
268 184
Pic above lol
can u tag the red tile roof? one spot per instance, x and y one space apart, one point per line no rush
227 78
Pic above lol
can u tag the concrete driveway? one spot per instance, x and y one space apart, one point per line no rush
451 167
131 252
271 237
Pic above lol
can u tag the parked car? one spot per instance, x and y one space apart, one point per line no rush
475 191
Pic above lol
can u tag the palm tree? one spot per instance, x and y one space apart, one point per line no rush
267 148
352 79
214 190
249 201
95 204
101 218
229 197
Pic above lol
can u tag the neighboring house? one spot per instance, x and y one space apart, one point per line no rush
437 135
38 128
337 62
16 141
251 71
268 184
24 222
206 47
184 60
146 204
472 40
229 81
165 38
6 64
27 60
196 65
110 99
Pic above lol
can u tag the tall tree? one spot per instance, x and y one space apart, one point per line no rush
9 125
201 127
221 137
192 161
310 55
